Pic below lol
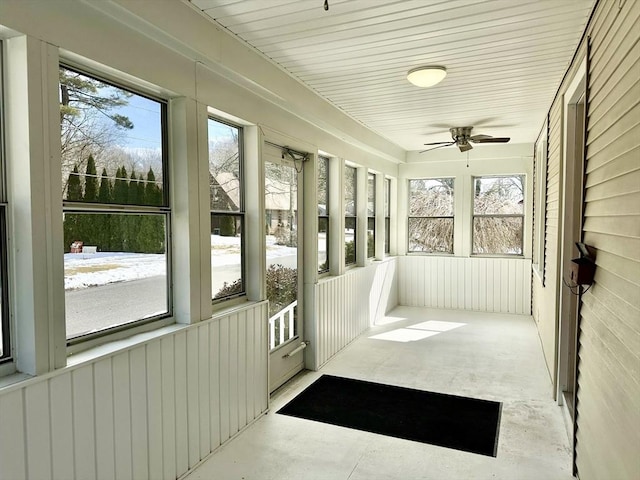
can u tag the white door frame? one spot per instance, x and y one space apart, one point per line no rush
571 213
283 364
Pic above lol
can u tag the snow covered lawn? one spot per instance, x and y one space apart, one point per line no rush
83 270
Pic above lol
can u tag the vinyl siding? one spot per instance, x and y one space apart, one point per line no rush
544 295
608 421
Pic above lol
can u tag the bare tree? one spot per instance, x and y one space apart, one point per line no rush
89 122
431 215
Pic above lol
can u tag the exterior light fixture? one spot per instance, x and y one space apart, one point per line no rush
426 76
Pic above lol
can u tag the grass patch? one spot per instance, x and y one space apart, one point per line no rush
225 248
90 268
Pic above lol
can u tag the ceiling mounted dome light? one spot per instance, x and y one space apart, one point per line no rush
426 76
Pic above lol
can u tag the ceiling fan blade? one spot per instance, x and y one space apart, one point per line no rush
439 146
464 147
441 143
491 140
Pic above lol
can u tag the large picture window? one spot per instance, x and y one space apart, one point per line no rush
323 215
498 215
431 215
350 214
227 210
115 205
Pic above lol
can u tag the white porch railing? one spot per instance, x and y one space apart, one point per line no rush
282 326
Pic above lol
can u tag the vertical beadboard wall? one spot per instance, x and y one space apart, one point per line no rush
383 295
349 304
608 413
500 285
151 411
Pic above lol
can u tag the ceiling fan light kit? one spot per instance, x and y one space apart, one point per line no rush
426 76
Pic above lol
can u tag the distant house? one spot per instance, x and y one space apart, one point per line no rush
224 197
280 200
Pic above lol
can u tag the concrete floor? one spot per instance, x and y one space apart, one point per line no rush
495 357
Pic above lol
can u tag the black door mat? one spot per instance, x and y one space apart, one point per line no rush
451 421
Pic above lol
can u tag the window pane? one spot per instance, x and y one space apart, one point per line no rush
323 244
387 197
350 207
5 348
387 214
498 195
323 170
224 167
349 240
387 234
112 143
115 271
323 212
431 235
497 235
371 237
226 256
371 195
431 197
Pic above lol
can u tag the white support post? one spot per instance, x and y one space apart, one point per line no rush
35 204
186 203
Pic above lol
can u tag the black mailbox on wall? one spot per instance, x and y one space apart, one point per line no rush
583 268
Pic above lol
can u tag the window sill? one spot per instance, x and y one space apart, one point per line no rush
109 348
496 255
13 379
129 331
235 307
430 254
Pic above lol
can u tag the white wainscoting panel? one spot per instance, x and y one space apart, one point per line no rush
500 285
153 410
349 304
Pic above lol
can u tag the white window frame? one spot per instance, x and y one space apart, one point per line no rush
540 207
453 216
523 215
328 193
371 216
387 216
90 339
241 213
356 230
6 354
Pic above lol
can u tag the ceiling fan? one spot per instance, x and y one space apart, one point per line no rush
463 139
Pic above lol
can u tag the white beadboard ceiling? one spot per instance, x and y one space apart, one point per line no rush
504 58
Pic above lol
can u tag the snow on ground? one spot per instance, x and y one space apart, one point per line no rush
83 270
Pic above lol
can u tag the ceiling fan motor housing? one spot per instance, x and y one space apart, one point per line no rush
461 134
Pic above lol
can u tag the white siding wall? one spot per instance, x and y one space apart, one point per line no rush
608 383
544 295
150 411
500 285
608 423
